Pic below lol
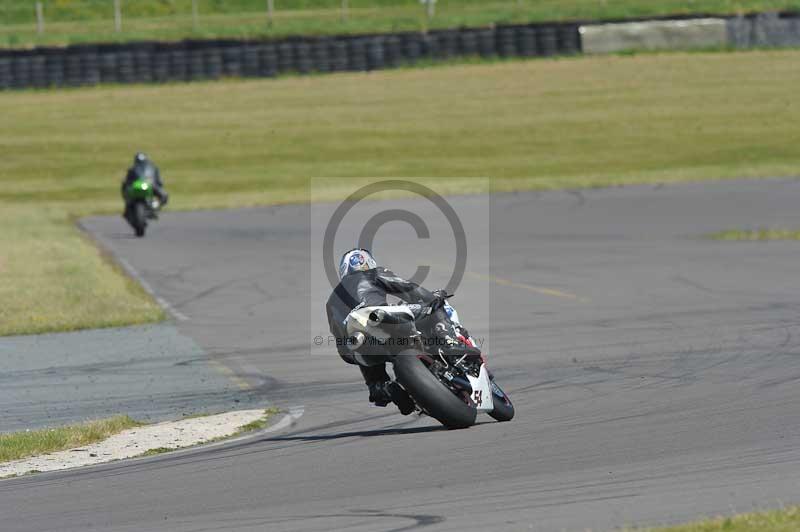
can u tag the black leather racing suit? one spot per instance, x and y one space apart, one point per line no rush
368 288
150 173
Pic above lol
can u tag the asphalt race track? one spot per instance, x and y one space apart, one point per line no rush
151 373
655 375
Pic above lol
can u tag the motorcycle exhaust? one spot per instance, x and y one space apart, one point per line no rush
458 381
379 316
462 383
376 317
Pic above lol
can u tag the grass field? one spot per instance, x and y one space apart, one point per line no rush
589 121
36 442
786 520
71 21
54 279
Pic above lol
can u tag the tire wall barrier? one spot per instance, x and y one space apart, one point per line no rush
766 29
157 62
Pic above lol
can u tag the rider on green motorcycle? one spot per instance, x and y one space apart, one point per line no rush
143 169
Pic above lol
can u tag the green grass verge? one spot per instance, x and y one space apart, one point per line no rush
786 520
757 234
157 450
258 424
52 278
540 124
73 21
19 445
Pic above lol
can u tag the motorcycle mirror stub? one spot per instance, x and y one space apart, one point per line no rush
356 341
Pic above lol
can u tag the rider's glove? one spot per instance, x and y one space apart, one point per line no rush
439 298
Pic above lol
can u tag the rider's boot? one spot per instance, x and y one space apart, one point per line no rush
401 398
382 391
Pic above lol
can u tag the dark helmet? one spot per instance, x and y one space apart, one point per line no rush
140 158
356 260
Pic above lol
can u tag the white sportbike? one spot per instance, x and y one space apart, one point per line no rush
440 367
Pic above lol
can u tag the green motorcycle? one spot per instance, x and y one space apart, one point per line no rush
142 205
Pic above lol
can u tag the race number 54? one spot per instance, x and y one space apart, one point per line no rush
478 397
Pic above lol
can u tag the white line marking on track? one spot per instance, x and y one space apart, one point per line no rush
289 419
163 303
295 412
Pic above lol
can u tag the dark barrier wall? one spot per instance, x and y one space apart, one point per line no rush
764 30
152 62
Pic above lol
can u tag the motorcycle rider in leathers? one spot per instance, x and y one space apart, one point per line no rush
143 168
364 283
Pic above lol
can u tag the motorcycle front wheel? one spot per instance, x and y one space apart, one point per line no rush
139 218
431 394
503 407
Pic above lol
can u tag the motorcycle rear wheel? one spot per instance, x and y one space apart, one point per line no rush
429 393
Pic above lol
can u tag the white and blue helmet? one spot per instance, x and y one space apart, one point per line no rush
356 260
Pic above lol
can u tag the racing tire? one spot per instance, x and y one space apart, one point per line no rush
503 407
139 221
430 394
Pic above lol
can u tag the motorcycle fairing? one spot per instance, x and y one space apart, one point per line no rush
482 390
